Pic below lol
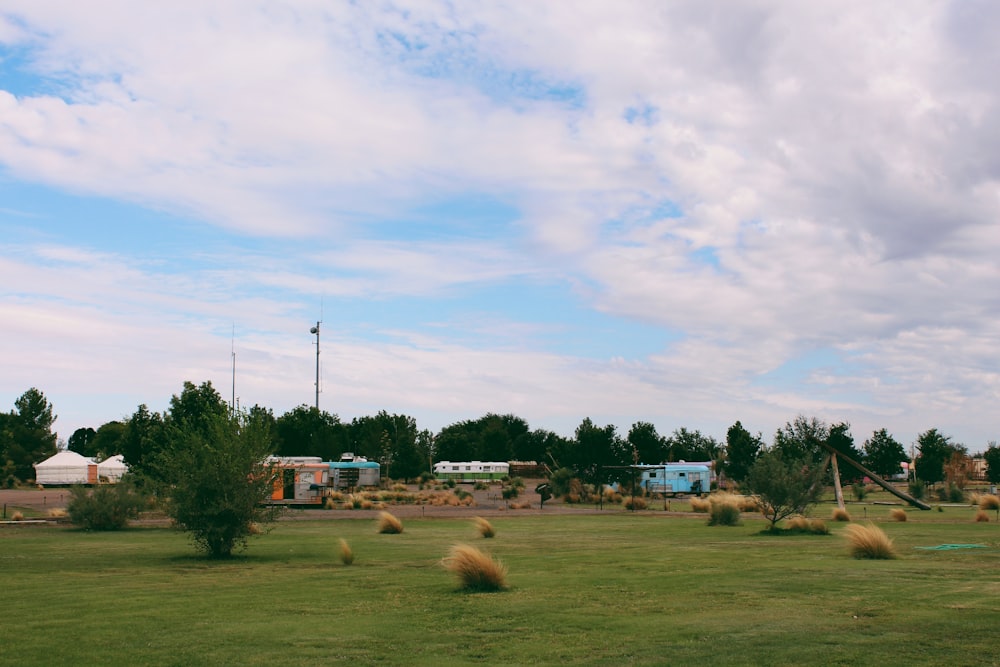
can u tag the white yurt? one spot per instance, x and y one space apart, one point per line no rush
111 469
66 468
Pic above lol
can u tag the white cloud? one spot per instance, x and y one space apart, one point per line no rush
830 166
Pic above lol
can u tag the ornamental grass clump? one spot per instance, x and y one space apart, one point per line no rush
635 503
840 514
476 571
800 524
389 524
982 516
989 502
898 515
701 505
346 553
869 542
484 527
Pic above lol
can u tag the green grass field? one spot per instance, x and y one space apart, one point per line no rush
606 589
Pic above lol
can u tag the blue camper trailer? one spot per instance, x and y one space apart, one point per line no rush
352 472
674 478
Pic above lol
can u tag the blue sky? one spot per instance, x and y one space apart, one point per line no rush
684 213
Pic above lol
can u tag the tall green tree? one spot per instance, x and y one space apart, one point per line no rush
594 449
650 446
883 454
685 445
144 436
992 456
742 449
306 431
26 435
82 441
935 450
800 439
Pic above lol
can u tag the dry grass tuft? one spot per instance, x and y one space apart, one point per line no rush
702 505
634 503
484 527
57 513
346 553
982 516
869 542
476 570
898 515
17 516
521 505
255 529
989 502
840 514
798 524
389 524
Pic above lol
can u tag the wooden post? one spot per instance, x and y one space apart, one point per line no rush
836 482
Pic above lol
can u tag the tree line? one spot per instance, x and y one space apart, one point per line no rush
405 451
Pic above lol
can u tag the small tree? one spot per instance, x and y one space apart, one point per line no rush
992 456
217 480
783 487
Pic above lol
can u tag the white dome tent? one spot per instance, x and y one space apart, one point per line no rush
66 468
112 469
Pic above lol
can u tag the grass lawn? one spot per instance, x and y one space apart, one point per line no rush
613 589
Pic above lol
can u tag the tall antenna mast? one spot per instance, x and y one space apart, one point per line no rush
232 405
315 330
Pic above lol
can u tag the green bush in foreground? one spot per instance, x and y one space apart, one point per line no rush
724 513
105 507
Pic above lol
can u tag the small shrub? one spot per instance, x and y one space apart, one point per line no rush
517 481
510 492
840 514
389 524
476 570
462 494
989 502
898 515
869 542
105 507
982 516
860 491
956 494
484 527
17 516
10 482
346 553
481 486
917 489
724 512
572 498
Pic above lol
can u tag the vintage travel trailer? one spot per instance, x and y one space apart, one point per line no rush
300 480
674 478
471 471
351 472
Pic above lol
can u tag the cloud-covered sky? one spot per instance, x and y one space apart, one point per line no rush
686 213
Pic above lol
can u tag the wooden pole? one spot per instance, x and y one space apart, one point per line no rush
836 482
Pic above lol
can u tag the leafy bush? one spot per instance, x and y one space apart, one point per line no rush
724 512
560 481
860 491
917 489
476 570
869 542
510 492
956 494
105 507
